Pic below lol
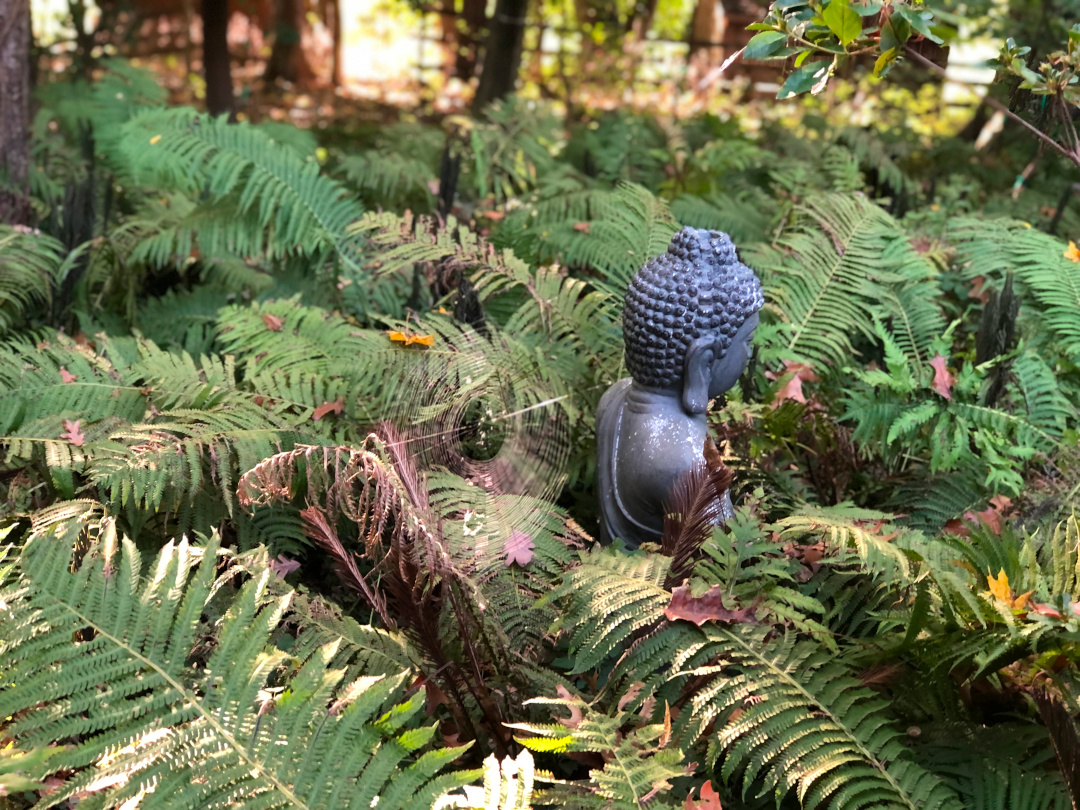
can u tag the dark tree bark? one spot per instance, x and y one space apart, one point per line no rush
14 111
216 68
333 18
502 54
287 58
463 34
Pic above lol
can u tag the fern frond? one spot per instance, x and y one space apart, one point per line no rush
152 728
29 270
827 287
267 199
640 764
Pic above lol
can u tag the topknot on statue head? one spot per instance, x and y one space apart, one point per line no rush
698 287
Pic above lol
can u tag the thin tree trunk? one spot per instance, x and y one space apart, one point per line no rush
287 58
14 111
333 14
216 68
502 56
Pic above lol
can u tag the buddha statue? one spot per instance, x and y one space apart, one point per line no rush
688 320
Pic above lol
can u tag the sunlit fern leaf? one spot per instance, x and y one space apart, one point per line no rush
626 590
266 199
639 765
743 215
788 714
109 651
996 247
557 201
508 785
826 282
508 149
29 270
52 377
628 226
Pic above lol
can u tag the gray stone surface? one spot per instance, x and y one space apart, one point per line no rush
688 321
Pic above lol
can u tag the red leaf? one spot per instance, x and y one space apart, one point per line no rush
958 527
943 380
710 799
67 376
273 322
1045 610
337 406
977 292
283 566
792 387
989 516
72 433
519 548
581 226
706 608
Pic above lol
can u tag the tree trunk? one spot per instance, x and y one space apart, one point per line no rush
216 67
14 111
474 19
333 18
502 55
287 58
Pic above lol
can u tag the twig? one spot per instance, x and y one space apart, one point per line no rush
1073 157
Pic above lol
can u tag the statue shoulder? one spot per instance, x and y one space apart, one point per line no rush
616 393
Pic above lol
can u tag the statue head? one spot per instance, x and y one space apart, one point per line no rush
689 317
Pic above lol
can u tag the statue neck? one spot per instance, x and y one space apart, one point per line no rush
661 401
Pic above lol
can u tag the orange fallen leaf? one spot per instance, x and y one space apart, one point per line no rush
72 432
67 376
999 588
943 380
708 607
792 387
494 216
410 340
273 322
583 227
977 290
337 406
710 799
1072 253
989 517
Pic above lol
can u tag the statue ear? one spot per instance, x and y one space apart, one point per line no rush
697 373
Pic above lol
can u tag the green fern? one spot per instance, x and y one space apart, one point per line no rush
30 267
114 655
262 197
640 764
827 279
996 248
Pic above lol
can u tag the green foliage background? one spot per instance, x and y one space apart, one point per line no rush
199 389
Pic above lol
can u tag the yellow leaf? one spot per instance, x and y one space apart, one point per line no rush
1021 601
409 340
155 139
1073 253
1000 587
